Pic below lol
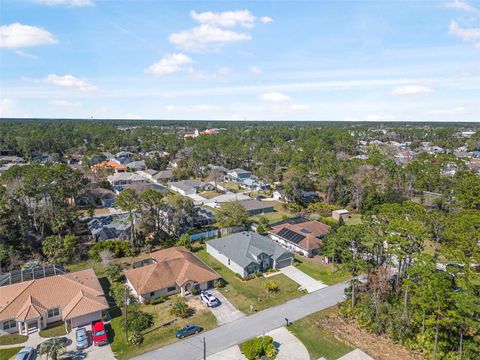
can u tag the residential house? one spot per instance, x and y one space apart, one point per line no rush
124 178
163 176
97 197
136 165
147 173
109 164
167 272
256 207
203 217
112 227
124 157
75 298
306 196
190 187
340 214
248 253
302 238
237 175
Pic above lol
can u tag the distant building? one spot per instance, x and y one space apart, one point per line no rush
256 207
112 227
340 214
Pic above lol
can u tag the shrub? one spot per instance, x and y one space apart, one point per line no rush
139 321
158 300
180 309
195 291
135 339
258 274
271 286
117 292
220 283
255 349
119 248
114 272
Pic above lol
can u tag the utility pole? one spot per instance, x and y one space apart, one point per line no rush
204 349
126 310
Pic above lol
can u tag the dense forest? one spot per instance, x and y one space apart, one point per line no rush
422 287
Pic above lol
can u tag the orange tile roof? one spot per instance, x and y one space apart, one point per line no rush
174 266
77 293
109 164
311 240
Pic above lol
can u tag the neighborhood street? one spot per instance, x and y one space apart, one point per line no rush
248 327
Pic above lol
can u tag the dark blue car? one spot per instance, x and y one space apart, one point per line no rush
188 330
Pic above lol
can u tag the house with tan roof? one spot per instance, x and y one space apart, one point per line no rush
303 238
75 298
167 272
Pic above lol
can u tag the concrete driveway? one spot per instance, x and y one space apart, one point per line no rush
302 279
289 347
226 312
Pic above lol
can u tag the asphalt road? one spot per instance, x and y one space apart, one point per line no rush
237 331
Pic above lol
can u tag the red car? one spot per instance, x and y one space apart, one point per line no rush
99 334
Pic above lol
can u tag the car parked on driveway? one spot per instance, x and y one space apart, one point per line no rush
81 338
27 353
188 330
99 334
209 299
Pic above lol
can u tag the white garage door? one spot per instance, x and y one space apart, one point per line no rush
86 319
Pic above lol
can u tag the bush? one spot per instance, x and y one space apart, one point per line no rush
195 291
114 272
180 309
135 339
254 349
119 248
117 292
139 321
158 300
220 283
258 274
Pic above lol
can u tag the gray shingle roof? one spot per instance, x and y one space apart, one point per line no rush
242 248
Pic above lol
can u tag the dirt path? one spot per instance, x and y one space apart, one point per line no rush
378 347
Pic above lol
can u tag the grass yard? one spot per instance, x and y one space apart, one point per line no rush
158 335
97 267
6 354
13 339
210 194
231 186
318 340
53 330
354 219
315 268
278 215
242 294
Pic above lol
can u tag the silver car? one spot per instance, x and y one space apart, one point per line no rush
27 353
81 338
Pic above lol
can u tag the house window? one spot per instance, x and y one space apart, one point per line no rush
171 288
152 294
9 324
53 312
228 261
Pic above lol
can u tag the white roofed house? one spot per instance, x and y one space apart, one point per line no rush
125 178
190 187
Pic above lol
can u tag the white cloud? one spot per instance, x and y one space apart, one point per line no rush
225 19
203 108
64 104
411 90
461 5
466 34
72 3
5 107
68 81
275 97
169 64
205 37
170 107
17 35
255 70
266 19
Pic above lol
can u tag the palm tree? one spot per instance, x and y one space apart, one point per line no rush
53 348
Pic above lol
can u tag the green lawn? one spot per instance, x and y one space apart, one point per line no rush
12 339
54 330
210 194
242 294
158 335
97 267
315 268
319 341
6 354
278 215
231 186
354 219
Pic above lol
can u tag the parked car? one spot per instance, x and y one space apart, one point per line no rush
188 330
27 353
81 338
99 334
209 299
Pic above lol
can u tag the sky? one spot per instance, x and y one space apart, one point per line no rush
228 60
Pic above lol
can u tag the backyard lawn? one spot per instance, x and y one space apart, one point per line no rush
230 186
53 330
6 354
278 215
315 268
242 294
159 334
318 340
13 339
210 194
354 219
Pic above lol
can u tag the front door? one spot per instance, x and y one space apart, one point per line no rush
32 326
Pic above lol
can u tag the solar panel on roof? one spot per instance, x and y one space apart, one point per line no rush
305 231
291 236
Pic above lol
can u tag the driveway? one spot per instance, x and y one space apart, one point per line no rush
226 312
237 331
302 279
289 347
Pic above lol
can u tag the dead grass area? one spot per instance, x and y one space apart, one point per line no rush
196 304
380 348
